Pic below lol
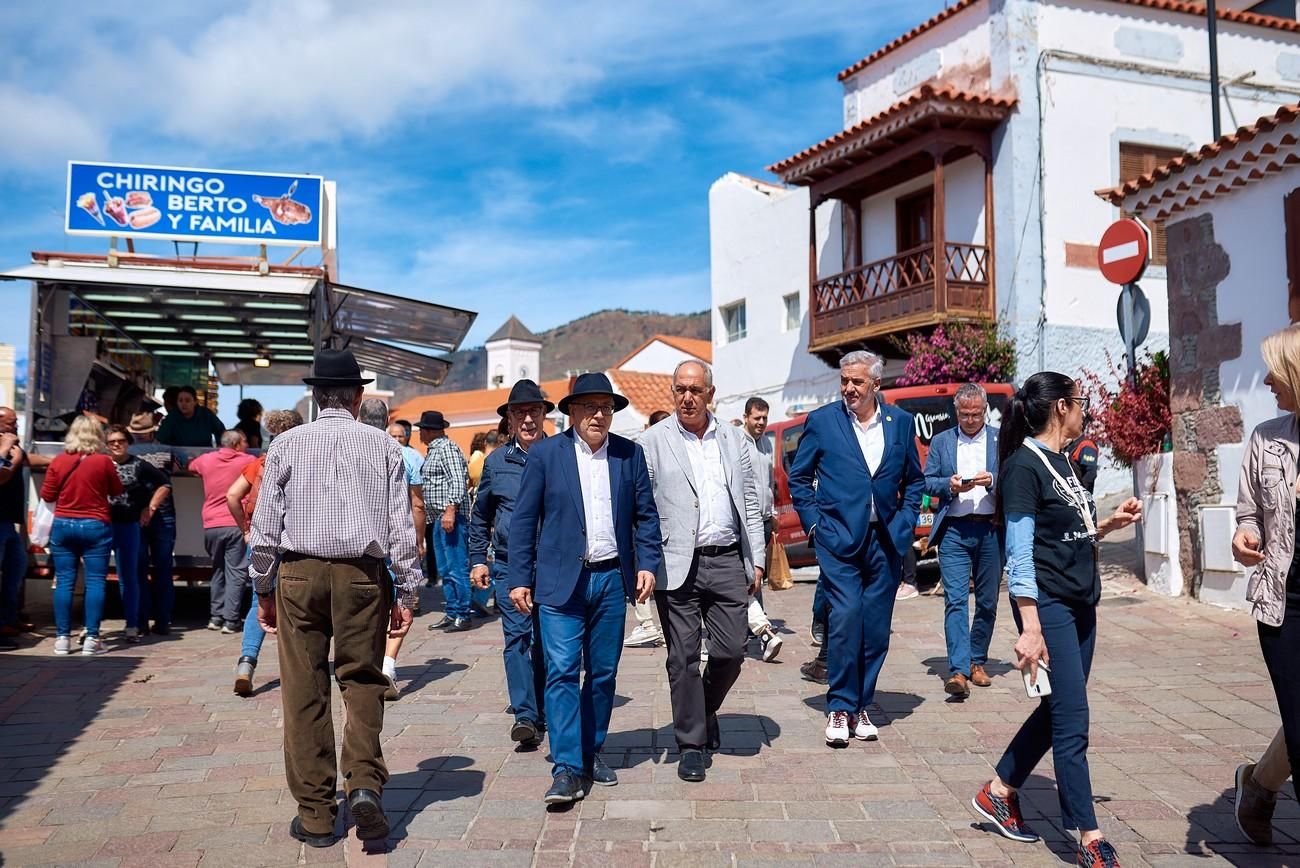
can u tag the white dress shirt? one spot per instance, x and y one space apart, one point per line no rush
597 500
972 460
717 522
871 440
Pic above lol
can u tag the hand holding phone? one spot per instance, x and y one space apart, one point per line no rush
1040 686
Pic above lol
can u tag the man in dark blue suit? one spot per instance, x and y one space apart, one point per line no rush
583 538
856 483
961 472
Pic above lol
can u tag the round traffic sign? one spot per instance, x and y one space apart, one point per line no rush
1124 251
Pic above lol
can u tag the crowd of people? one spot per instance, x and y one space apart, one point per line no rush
337 523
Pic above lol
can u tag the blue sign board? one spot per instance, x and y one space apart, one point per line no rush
193 204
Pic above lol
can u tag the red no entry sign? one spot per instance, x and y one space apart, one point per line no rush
1124 251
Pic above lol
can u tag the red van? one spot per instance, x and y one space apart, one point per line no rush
932 408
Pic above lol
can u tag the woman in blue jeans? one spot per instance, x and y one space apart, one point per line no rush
79 483
143 489
1052 532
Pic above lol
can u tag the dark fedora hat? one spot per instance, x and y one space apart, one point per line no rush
433 420
592 383
525 392
335 368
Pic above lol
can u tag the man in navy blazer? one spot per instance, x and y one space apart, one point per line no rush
961 472
856 483
584 536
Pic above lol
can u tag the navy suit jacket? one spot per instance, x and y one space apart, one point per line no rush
941 466
839 505
548 531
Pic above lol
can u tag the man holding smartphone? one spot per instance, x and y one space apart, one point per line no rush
960 473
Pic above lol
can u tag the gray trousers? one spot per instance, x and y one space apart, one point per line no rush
229 553
715 595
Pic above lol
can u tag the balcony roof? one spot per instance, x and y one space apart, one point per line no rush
929 108
1232 16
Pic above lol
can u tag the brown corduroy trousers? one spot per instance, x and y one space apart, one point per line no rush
349 602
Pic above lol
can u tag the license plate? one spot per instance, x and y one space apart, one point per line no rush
925 519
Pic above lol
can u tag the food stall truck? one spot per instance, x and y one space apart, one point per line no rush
110 330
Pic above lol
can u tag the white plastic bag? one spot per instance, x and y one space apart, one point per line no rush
42 522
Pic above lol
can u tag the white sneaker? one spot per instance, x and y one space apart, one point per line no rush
92 646
771 646
63 646
644 634
906 592
392 692
837 729
863 728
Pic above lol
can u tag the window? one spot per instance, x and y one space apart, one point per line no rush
1134 162
792 312
790 438
915 219
733 321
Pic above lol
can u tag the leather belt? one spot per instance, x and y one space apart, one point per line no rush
715 551
365 561
601 566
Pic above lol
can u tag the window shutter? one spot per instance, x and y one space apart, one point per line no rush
1134 162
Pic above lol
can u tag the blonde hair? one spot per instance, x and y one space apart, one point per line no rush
84 435
1281 351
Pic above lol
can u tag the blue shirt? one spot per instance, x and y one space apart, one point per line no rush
414 461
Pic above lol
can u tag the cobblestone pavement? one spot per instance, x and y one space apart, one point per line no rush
144 757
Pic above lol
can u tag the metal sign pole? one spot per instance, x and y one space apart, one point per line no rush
1129 327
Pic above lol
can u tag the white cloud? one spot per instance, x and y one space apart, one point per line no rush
630 135
41 130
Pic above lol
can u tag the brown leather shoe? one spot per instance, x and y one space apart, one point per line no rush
1254 807
956 686
979 677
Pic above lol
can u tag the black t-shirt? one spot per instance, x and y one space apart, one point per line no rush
164 458
140 480
1065 562
13 498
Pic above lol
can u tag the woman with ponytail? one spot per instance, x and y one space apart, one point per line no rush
1052 532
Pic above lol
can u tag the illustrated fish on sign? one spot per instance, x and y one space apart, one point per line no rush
285 209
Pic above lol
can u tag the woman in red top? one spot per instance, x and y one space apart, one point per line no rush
79 483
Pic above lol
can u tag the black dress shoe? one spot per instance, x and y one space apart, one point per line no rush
691 766
443 624
815 670
526 733
297 832
564 789
459 625
368 810
714 734
602 775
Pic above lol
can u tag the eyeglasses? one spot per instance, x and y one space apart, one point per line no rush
598 409
1084 401
697 391
117 441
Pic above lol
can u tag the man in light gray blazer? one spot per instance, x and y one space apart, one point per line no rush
710 515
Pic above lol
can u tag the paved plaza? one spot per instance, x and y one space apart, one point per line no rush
143 756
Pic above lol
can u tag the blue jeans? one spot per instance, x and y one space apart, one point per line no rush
453 563
860 592
87 540
525 664
13 569
126 554
1060 722
584 636
158 547
254 635
969 547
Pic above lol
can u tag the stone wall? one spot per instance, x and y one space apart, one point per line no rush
1198 343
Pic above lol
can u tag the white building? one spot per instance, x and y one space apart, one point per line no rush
513 354
1015 108
1233 216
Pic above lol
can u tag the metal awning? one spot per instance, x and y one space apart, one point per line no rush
236 317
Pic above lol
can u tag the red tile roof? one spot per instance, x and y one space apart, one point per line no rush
646 392
697 347
942 94
1245 165
1180 6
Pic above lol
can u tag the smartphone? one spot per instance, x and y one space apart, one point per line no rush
1041 686
967 480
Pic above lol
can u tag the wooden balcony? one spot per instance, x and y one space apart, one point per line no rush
867 304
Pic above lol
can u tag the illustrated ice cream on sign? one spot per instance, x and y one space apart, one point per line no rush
115 208
89 203
284 209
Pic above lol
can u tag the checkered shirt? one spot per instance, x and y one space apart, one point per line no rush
446 478
335 489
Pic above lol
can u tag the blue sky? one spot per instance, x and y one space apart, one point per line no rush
547 159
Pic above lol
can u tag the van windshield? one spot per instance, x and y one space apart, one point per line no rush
934 414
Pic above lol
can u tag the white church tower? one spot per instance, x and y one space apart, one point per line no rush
513 354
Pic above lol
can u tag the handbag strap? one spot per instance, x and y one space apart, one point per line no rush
1078 501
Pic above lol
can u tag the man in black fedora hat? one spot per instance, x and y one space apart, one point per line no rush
333 506
586 537
445 475
525 411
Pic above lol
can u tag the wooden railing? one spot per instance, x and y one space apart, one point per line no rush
902 290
